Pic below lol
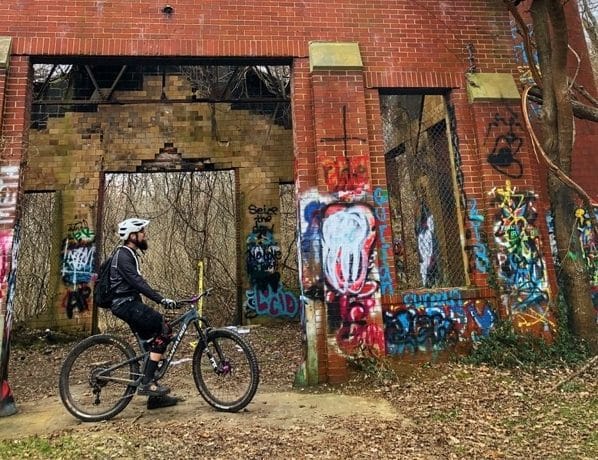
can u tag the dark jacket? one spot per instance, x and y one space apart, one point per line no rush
126 280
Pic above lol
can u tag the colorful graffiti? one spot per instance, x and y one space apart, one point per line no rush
77 267
9 249
521 58
346 175
521 266
312 281
478 252
9 181
381 202
278 302
348 236
589 250
267 295
433 321
507 144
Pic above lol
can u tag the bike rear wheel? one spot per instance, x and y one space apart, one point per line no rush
96 380
225 370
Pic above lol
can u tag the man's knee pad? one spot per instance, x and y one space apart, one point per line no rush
160 343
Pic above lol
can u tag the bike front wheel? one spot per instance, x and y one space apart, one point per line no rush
225 370
96 378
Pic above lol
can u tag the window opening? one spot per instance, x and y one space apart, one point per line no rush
421 186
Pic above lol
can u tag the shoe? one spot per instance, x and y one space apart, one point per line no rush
152 389
155 402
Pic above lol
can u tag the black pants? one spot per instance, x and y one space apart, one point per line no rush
142 319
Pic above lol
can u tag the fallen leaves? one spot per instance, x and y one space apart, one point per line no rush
443 410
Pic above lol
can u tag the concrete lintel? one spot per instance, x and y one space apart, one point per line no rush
483 87
334 56
5 43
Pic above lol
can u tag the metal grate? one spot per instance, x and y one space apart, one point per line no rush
424 217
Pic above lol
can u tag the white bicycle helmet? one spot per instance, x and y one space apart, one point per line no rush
132 225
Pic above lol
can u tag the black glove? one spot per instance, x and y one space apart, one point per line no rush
169 304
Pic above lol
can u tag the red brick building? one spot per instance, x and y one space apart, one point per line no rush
422 213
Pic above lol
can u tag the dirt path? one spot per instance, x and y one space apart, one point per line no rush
280 409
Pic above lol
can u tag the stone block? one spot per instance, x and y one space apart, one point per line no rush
484 87
5 44
334 56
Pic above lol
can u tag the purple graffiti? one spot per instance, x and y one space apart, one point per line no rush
274 303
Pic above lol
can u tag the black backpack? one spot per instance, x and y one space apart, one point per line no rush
102 290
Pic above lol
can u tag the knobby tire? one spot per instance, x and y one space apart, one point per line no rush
233 384
84 392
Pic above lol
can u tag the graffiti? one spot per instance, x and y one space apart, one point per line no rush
311 249
262 215
506 145
521 265
270 302
479 254
589 251
346 174
433 299
10 242
416 329
347 239
76 300
80 232
433 321
552 239
381 200
9 181
427 248
348 235
267 295
77 262
521 57
5 252
77 267
483 316
262 258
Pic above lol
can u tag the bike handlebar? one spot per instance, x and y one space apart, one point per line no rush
195 298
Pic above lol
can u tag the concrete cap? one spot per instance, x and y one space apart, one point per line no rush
491 87
334 56
5 43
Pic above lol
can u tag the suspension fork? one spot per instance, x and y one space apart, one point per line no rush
203 339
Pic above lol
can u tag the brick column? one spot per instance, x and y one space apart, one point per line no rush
343 220
314 367
515 205
13 115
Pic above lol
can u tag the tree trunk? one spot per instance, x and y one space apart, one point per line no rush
550 31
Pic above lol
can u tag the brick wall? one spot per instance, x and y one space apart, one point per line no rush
405 45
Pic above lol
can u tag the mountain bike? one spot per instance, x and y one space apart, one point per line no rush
100 375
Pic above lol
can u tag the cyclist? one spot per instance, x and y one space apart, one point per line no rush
127 285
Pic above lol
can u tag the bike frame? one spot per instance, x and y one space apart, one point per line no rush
191 316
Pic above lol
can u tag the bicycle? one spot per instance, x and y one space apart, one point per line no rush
100 375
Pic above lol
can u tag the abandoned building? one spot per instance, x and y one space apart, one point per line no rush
421 211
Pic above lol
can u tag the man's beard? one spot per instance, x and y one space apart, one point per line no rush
141 245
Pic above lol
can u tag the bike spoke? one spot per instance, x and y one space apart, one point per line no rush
96 383
226 372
